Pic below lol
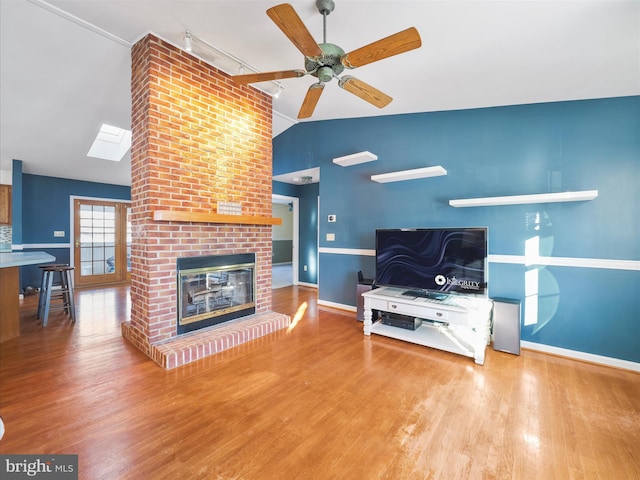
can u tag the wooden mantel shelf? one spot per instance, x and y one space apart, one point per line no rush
179 216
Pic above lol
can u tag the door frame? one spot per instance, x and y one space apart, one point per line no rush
72 199
275 198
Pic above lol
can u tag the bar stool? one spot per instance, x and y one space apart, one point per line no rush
64 296
44 277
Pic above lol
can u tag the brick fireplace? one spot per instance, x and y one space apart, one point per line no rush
200 145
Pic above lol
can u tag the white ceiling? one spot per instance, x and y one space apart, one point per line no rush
66 63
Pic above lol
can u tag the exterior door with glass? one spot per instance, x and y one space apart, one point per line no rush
102 244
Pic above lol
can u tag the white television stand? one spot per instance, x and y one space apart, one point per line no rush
457 324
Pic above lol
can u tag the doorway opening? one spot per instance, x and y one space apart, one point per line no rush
285 237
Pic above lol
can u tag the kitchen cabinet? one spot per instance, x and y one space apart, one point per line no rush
5 204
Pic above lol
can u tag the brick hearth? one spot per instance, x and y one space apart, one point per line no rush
198 139
209 341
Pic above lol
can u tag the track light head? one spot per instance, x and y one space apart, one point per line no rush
187 41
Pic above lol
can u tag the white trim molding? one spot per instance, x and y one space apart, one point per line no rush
604 263
567 262
347 251
82 23
31 246
583 356
340 306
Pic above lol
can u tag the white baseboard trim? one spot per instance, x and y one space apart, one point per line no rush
341 306
586 357
310 285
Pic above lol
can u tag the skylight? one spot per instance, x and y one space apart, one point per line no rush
111 143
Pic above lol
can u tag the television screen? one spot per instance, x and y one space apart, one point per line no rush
449 260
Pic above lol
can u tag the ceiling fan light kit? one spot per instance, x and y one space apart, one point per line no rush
327 61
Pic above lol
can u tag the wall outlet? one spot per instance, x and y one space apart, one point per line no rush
331 237
331 218
58 233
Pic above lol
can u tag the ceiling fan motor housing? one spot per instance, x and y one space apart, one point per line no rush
325 7
328 65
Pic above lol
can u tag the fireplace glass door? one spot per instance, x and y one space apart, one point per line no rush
214 294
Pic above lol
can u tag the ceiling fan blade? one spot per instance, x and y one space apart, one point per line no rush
267 76
311 100
400 42
287 20
364 91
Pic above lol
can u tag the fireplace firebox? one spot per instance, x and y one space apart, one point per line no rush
214 289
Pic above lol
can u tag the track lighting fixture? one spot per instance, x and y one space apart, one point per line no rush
227 62
187 41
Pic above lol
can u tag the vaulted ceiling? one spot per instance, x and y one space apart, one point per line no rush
66 63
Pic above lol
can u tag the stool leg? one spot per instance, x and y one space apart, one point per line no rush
70 297
43 292
47 299
64 292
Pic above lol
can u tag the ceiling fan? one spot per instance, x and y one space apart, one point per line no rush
326 61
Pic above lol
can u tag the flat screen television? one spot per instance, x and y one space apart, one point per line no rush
438 260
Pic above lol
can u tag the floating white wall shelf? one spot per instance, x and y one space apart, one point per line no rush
523 199
409 174
355 158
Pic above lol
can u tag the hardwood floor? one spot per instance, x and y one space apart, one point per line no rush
320 401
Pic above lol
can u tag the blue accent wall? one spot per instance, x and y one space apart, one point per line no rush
16 202
46 208
286 189
526 149
308 224
308 247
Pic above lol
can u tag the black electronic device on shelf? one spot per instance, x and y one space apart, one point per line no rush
436 261
401 321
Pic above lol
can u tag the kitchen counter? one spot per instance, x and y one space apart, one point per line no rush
18 259
10 264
